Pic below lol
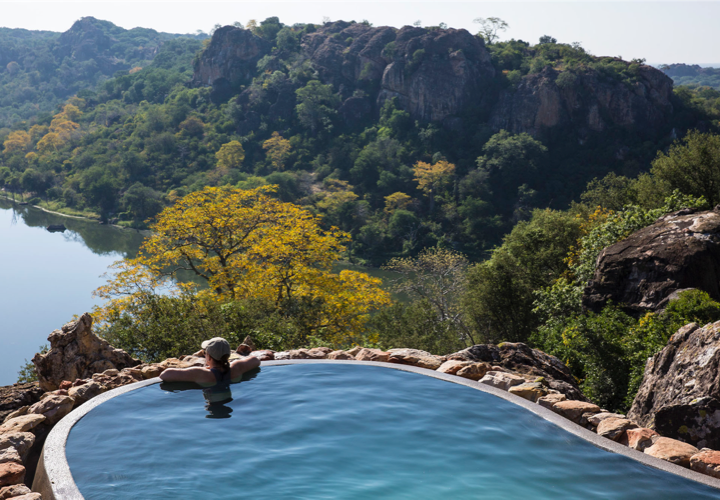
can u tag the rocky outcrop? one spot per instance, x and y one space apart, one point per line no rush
77 353
230 59
583 101
522 360
680 393
680 250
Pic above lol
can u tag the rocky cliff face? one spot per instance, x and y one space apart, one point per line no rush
680 393
437 75
681 250
585 102
230 59
434 74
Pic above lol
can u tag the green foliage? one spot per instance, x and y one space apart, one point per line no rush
415 325
27 372
607 352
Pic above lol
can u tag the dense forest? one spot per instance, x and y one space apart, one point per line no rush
488 174
693 75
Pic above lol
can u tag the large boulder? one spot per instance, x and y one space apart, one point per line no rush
76 352
523 360
679 251
680 393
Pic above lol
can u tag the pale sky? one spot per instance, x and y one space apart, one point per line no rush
661 32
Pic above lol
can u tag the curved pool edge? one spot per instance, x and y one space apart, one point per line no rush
54 480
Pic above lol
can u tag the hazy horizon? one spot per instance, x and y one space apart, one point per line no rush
662 32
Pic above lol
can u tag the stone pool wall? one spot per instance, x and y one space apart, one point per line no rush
512 367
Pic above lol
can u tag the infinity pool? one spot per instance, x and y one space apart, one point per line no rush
328 431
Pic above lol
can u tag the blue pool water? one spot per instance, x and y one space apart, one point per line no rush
333 431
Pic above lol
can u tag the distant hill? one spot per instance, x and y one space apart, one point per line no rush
686 74
40 69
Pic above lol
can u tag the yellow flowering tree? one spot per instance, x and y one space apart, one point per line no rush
277 150
248 245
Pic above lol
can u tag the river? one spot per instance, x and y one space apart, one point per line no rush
47 278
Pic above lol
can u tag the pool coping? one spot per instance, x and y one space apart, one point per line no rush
55 482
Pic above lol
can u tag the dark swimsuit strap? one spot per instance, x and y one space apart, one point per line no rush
220 376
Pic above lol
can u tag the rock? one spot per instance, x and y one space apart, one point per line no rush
318 352
293 354
672 450
243 350
415 357
151 371
639 439
21 441
11 473
14 491
596 418
353 352
680 393
473 371
706 462
265 355
10 455
17 413
614 428
531 391
502 380
29 496
574 410
112 379
340 355
372 355
679 251
53 408
541 107
249 342
22 423
230 60
549 400
84 393
65 384
520 359
134 373
76 352
14 397
452 367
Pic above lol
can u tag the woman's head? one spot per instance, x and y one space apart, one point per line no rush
217 348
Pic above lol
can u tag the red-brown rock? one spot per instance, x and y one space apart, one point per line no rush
574 410
614 428
14 491
453 366
65 384
416 357
372 355
54 408
11 473
473 371
672 450
639 439
340 355
706 462
265 355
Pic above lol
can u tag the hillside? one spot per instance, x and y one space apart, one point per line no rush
686 74
405 138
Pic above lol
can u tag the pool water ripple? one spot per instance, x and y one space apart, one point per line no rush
355 432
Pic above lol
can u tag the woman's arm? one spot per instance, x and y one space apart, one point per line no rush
195 374
240 366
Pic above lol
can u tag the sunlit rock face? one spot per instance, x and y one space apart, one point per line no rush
679 251
584 103
680 393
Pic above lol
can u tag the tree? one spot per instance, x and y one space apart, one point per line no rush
230 155
436 275
316 105
17 142
396 201
692 165
277 150
547 39
489 28
246 244
431 178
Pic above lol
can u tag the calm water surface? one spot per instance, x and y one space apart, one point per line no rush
46 278
350 432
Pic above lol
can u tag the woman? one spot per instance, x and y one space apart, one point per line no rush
217 370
